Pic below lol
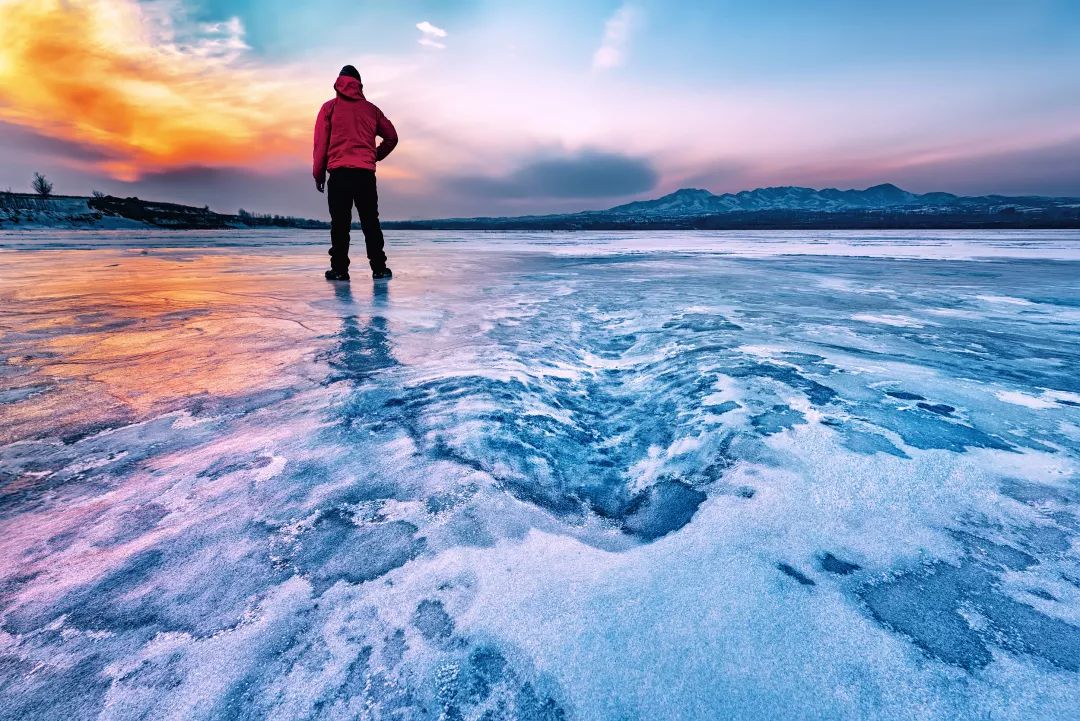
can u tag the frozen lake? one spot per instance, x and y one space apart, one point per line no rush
587 476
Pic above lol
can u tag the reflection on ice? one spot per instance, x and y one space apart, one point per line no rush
541 476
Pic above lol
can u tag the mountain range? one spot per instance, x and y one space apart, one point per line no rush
880 206
786 207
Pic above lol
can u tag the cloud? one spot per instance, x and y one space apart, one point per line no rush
431 35
618 31
149 89
589 174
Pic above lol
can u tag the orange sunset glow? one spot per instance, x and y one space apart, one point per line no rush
101 75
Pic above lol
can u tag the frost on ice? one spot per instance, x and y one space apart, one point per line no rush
541 476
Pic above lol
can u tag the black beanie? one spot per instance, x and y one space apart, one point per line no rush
350 71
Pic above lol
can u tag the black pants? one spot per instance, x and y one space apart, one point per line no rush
346 187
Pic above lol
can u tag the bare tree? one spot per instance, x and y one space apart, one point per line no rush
42 186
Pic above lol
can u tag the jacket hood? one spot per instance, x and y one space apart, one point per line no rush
349 88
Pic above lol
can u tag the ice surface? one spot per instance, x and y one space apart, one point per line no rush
541 476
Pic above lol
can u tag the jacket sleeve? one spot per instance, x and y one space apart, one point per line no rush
322 143
385 130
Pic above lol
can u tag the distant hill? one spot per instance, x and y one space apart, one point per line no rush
105 212
880 206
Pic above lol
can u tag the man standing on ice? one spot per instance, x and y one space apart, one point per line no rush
345 133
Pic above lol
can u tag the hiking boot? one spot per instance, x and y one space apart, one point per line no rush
384 273
336 274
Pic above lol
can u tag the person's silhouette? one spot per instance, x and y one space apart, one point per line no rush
345 134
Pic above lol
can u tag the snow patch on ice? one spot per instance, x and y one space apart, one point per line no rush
1024 399
900 321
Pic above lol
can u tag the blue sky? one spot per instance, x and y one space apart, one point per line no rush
512 107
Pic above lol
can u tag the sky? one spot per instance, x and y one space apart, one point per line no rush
535 107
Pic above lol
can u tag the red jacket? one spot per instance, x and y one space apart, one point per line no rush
345 131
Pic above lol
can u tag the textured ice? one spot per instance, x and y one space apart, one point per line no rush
541 476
